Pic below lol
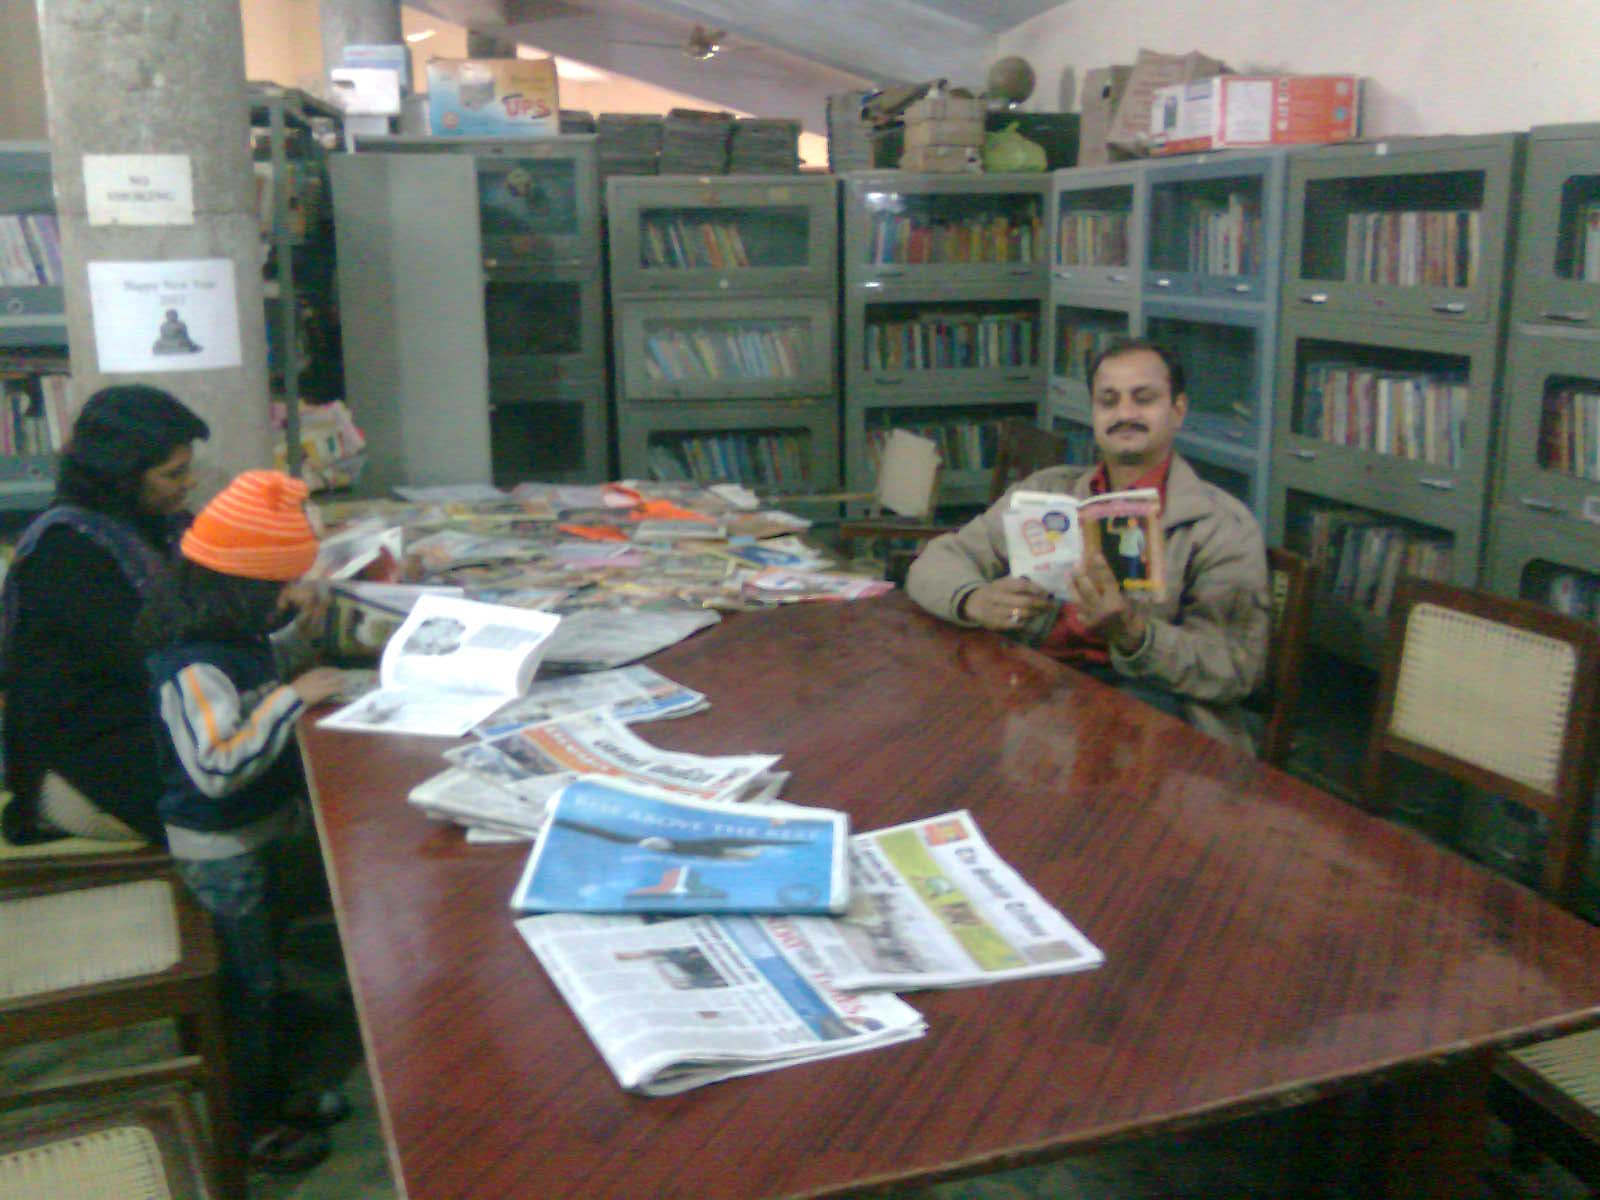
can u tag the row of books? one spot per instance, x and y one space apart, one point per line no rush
1569 432
30 250
977 239
691 244
1225 239
772 352
761 459
1427 248
964 445
37 414
939 343
1077 346
1092 238
1361 558
1587 243
1413 415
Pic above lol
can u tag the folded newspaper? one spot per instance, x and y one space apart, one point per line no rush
675 1004
1048 534
932 905
449 666
606 848
595 743
630 694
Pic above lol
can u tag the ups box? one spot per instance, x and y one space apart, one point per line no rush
1232 112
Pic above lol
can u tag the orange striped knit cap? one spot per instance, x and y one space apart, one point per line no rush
256 527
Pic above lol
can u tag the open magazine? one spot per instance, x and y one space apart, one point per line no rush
1048 534
630 694
449 666
674 1004
606 848
932 905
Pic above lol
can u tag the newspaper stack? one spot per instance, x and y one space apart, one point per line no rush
849 137
629 143
576 120
762 147
695 142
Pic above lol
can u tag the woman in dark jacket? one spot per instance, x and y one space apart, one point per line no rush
80 741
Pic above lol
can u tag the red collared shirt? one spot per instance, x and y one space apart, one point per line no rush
1069 638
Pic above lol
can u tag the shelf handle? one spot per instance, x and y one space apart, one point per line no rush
1237 435
887 381
1163 282
1314 298
1438 485
1540 504
885 269
491 264
1450 306
1239 289
1116 277
1303 455
1020 272
1567 318
1025 377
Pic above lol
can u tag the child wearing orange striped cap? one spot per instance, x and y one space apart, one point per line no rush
232 785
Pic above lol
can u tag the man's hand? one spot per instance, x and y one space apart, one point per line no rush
1103 607
1005 604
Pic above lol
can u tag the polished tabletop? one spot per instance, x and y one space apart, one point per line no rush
1265 942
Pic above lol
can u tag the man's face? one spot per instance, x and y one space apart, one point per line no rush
1136 416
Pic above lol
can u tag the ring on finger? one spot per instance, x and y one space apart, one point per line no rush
1016 615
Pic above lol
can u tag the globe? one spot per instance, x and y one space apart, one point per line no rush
1010 79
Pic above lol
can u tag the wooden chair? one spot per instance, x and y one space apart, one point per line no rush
1292 579
103 949
142 1146
1501 694
1020 450
69 855
1495 693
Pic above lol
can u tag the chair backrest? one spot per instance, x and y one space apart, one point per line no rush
1499 694
1292 579
908 474
1021 449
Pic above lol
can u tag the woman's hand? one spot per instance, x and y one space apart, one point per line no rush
1005 604
318 684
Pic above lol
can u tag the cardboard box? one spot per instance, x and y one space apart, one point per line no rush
1102 92
944 133
1130 125
493 97
1239 111
945 107
942 160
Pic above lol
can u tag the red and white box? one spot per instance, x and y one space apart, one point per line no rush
1233 112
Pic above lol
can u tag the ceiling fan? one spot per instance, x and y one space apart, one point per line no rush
700 45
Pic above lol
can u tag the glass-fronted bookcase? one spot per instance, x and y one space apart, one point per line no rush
1389 368
724 318
945 280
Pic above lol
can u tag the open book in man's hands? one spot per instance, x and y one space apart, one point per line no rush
450 665
1048 534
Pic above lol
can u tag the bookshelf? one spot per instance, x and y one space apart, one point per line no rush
1390 355
1196 269
471 284
34 370
1544 535
945 286
724 314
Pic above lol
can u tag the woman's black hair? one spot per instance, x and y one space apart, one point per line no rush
121 433
202 605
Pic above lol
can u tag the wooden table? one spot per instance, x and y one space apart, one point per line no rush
1265 943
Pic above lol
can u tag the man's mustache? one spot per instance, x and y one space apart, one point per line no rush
1121 425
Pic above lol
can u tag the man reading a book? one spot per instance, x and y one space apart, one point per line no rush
1199 647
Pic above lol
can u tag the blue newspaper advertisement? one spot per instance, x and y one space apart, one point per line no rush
611 849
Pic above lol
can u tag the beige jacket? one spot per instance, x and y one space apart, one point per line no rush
1208 635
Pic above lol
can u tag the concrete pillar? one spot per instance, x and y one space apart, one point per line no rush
357 23
162 77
